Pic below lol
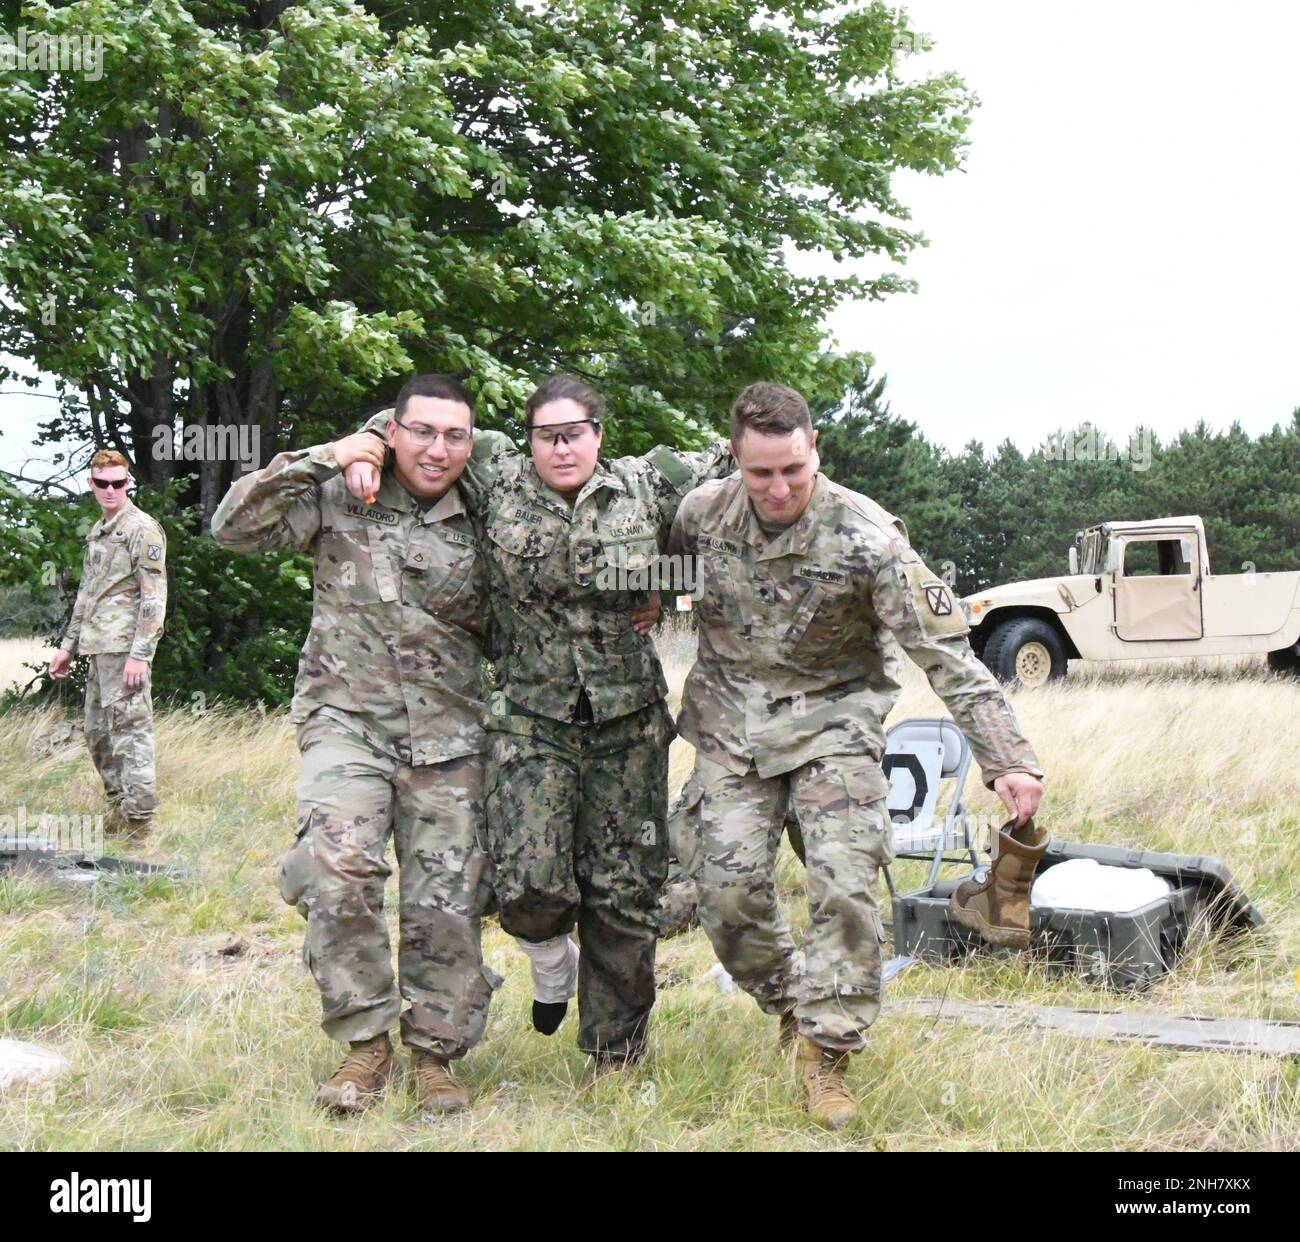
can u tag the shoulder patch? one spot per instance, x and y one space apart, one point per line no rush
666 461
154 552
936 607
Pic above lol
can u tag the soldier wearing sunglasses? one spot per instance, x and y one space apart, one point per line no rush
116 622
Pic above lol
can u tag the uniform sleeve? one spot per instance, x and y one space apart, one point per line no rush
681 539
377 424
276 507
148 548
491 450
678 473
73 634
924 616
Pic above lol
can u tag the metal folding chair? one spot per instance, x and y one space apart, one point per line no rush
920 755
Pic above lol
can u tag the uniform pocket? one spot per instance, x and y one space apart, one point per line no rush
525 539
870 823
294 875
438 572
684 826
804 614
628 565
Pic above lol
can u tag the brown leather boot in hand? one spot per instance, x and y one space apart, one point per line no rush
998 905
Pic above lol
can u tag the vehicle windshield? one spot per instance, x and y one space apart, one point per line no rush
1090 549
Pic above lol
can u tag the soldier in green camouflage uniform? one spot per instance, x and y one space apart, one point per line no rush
807 591
578 768
117 621
388 705
578 771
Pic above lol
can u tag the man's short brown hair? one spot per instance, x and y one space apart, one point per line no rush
771 410
440 387
109 457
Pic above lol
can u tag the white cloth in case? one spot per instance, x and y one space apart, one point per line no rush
1086 884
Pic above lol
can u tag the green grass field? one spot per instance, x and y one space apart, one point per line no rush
175 1046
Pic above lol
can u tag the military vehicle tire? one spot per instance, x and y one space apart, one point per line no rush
1026 651
1285 661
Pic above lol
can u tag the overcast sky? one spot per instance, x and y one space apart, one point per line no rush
1123 244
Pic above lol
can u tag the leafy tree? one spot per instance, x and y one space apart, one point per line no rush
269 214
264 216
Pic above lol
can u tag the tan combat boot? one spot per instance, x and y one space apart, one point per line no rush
786 1031
826 1098
436 1088
998 905
362 1076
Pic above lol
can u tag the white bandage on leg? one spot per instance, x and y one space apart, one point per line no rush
555 968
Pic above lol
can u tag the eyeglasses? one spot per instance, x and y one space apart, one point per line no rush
456 438
570 433
115 484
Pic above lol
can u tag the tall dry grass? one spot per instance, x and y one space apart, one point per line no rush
177 1046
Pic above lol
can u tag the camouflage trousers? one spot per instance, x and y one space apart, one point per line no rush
351 796
576 830
726 832
679 902
119 733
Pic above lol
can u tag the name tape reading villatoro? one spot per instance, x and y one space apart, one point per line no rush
120 1196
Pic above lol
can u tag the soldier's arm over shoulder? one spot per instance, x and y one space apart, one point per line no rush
148 547
923 613
492 449
377 424
277 506
679 473
686 525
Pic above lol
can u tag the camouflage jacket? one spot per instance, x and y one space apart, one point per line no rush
563 580
400 602
123 596
797 653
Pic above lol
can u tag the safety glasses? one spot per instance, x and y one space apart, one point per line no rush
569 433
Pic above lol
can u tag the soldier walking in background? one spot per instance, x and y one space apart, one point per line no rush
116 622
804 588
388 706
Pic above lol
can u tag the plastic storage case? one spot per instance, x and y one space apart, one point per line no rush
1126 951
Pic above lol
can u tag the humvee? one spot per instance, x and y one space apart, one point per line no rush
1135 590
